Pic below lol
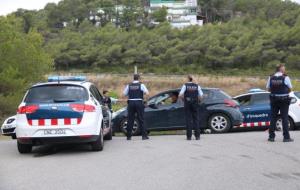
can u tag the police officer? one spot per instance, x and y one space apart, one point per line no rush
191 93
107 100
279 85
135 92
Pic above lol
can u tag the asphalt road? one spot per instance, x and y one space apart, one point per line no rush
232 161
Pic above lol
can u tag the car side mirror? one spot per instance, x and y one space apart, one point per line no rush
153 106
293 100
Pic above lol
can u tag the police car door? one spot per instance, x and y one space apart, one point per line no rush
245 107
260 110
105 111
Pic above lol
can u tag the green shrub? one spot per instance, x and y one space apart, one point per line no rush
22 62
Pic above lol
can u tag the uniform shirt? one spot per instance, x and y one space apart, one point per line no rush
143 88
183 89
287 82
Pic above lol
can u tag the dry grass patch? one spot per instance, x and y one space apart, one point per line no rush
155 84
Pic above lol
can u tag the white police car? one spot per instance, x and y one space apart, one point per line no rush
256 110
9 127
62 110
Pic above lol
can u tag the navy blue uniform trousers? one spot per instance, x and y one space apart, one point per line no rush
279 104
136 109
192 118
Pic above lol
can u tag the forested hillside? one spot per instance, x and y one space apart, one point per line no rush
239 34
22 62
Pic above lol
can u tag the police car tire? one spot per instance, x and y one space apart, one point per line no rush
109 135
291 126
137 132
24 148
99 143
226 129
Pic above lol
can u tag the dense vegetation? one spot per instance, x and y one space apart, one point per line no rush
22 62
241 34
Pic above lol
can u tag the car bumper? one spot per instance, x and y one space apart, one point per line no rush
58 140
88 126
116 123
236 117
8 131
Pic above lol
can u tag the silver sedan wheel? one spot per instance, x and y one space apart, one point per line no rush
219 123
134 129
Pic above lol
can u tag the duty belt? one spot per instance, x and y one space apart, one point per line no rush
191 99
274 96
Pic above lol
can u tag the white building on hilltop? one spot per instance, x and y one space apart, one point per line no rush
181 13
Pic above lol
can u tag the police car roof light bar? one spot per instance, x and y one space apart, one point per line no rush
66 78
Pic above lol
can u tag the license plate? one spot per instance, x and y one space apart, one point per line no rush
54 132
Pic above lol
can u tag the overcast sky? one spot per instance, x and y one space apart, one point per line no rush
8 6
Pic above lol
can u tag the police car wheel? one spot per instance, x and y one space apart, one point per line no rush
219 123
135 129
109 135
99 143
24 148
279 124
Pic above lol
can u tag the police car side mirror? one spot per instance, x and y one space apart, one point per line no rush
293 100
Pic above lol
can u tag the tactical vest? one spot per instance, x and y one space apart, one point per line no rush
277 85
135 91
191 92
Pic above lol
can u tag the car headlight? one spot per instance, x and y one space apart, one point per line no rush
9 121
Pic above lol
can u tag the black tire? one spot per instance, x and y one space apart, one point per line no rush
219 123
109 135
99 143
291 125
14 136
136 129
24 148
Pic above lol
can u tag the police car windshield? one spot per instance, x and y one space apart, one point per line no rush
56 94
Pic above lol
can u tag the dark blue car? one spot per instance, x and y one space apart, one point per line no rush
164 111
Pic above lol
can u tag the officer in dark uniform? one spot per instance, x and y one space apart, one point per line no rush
191 93
106 100
279 85
135 92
